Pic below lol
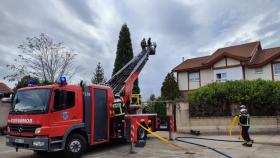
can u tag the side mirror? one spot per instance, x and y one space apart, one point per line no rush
6 100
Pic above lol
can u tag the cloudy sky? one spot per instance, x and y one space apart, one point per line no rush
187 29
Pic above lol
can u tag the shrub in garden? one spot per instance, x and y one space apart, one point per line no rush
261 97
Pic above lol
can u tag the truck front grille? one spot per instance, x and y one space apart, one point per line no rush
23 128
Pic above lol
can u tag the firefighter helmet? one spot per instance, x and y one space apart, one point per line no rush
242 106
243 111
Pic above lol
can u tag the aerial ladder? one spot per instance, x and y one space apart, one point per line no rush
124 109
123 81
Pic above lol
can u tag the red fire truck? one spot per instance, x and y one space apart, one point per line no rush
68 118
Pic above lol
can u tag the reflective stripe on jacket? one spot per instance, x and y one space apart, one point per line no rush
244 120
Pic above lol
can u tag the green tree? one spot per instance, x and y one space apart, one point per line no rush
149 108
24 81
156 105
152 97
160 109
170 88
124 53
98 75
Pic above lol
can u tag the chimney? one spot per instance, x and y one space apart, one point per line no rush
183 59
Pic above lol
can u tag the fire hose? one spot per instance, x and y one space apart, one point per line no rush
201 145
189 137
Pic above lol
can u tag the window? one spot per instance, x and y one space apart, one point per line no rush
277 69
258 71
63 99
31 101
221 77
194 77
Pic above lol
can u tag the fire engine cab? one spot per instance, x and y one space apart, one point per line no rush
68 118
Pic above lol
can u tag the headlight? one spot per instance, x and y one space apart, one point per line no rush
38 143
37 130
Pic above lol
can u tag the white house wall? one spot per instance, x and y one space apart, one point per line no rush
220 63
231 61
183 81
206 76
234 73
250 73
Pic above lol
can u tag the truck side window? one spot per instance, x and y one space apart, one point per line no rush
63 99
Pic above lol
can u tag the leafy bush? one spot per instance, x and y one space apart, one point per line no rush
260 96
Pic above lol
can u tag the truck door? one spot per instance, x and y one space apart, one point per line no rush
100 113
64 112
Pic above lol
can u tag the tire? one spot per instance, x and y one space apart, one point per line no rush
141 133
75 146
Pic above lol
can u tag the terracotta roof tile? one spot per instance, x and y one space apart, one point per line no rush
265 56
241 52
4 88
191 64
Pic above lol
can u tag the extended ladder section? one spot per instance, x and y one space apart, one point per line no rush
122 82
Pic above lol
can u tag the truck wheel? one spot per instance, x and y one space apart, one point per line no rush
75 146
141 134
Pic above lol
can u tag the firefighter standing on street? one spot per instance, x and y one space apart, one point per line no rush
244 121
241 107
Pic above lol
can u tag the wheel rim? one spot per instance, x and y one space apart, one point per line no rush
75 146
141 133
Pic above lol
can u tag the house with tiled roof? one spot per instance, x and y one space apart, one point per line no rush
247 61
5 91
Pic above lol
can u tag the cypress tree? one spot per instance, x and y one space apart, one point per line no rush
170 88
124 53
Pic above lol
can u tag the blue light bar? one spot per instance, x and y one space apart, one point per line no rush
62 80
31 83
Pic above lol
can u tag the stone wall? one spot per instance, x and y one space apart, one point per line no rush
185 123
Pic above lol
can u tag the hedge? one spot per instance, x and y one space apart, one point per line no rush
261 97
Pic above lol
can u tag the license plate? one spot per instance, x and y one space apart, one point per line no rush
19 141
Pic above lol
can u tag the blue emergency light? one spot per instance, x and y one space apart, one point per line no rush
62 80
31 83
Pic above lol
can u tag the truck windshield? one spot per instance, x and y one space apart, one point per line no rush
31 101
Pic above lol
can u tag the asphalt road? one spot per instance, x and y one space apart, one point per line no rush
266 146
